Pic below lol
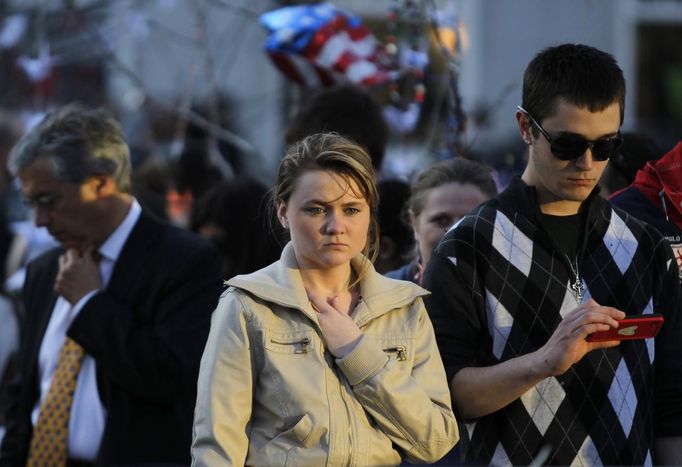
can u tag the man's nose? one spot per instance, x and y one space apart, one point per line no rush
585 161
41 216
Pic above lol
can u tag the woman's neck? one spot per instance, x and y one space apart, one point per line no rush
328 281
333 284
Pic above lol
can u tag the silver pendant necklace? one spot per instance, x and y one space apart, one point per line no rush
577 283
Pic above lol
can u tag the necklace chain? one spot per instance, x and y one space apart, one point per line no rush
577 283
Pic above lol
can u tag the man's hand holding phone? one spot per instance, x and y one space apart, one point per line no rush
567 345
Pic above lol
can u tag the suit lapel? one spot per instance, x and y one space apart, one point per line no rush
137 248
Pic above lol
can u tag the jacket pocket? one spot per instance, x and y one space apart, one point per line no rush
281 450
288 343
292 371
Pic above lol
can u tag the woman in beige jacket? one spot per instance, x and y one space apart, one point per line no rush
317 359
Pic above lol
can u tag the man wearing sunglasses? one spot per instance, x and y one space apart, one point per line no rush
522 281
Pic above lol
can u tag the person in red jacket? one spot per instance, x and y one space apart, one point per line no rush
655 197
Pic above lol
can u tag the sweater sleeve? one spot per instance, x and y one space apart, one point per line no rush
455 305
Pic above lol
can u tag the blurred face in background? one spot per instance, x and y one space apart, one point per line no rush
444 205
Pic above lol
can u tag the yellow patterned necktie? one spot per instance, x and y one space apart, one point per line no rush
51 434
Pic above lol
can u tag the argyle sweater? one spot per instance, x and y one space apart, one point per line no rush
499 289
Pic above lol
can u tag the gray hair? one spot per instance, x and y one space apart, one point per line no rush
80 143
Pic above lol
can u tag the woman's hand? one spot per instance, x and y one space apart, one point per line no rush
338 329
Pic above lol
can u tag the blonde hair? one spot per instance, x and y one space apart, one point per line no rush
341 156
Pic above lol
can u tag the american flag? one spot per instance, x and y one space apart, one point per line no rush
320 46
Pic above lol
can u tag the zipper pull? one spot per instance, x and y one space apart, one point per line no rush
302 346
399 351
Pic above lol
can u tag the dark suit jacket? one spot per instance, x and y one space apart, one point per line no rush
146 332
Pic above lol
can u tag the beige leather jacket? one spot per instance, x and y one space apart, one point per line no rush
270 393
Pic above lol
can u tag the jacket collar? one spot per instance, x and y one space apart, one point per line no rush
281 283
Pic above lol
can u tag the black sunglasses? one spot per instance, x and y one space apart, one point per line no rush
571 147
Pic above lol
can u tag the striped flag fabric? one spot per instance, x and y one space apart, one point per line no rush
320 45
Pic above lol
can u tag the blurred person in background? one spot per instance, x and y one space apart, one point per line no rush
234 216
115 318
636 150
152 180
655 197
441 195
348 110
318 359
396 246
9 241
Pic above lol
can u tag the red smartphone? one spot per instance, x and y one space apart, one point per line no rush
630 327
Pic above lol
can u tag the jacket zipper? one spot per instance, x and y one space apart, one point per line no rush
300 346
400 352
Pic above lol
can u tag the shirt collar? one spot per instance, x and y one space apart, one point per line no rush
113 245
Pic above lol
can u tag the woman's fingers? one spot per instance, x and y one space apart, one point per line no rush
313 301
320 305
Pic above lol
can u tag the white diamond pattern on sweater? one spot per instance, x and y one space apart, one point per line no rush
542 402
623 398
620 242
587 455
499 323
511 243
500 458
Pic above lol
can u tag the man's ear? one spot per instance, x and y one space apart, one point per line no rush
103 185
525 127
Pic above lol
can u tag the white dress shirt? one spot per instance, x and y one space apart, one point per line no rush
88 415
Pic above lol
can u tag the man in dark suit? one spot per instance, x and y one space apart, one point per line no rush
135 294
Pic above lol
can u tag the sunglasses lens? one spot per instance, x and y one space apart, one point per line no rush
568 148
606 148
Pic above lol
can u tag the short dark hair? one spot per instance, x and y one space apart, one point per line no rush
582 75
347 110
80 143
